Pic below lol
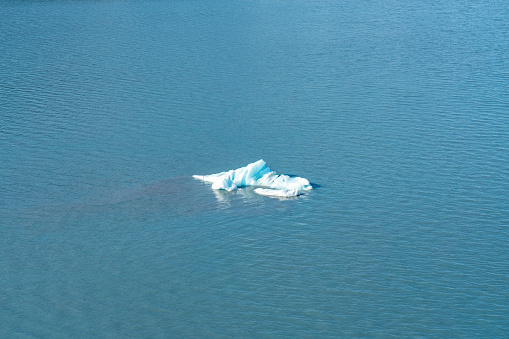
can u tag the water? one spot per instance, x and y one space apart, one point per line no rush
397 110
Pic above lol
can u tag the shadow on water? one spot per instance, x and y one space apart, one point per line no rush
315 186
181 196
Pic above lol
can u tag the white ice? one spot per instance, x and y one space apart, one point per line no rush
277 193
257 174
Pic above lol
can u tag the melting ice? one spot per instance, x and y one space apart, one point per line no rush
257 174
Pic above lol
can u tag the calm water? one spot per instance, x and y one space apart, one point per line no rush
397 110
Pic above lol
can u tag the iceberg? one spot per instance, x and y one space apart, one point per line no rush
257 174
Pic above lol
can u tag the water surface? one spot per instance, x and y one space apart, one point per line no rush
397 110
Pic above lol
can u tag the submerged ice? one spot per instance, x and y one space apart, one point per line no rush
259 175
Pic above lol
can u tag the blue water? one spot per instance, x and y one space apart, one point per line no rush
397 111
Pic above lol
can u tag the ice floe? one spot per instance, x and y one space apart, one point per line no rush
257 174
